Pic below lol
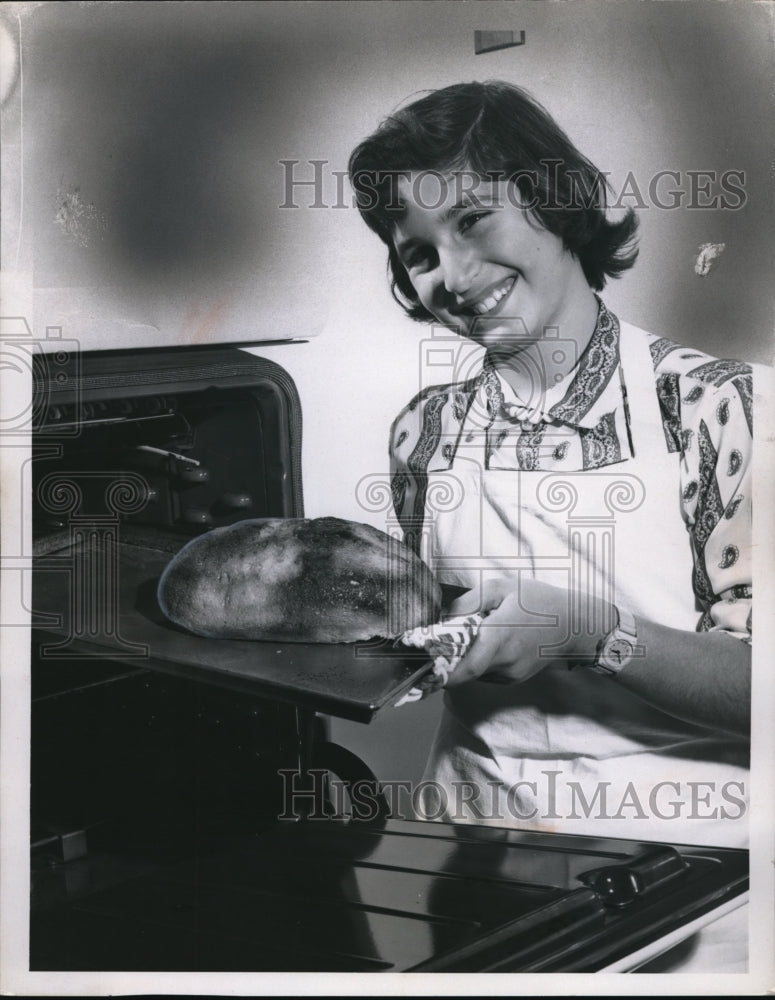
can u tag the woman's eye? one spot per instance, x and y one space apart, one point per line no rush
471 219
417 259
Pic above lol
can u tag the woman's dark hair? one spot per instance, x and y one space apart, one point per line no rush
495 131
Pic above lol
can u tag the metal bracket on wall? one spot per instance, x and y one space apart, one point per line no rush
491 41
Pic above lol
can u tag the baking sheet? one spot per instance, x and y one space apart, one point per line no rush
353 681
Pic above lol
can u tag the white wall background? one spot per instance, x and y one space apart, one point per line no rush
142 185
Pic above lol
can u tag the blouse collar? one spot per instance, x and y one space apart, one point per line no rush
573 399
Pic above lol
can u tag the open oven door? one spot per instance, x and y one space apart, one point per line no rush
386 896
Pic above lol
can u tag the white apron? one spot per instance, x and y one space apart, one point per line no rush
572 751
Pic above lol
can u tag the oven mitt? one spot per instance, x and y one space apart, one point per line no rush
446 643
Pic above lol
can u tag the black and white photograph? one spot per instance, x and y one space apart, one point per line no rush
388 497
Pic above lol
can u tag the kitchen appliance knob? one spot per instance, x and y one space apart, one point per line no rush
194 515
236 501
193 474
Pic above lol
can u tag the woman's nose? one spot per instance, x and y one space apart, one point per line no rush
456 271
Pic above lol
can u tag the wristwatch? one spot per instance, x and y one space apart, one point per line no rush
618 648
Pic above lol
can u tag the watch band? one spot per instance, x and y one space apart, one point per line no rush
617 649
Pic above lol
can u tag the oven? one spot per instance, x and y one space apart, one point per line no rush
189 811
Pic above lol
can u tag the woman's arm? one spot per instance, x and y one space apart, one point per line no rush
700 677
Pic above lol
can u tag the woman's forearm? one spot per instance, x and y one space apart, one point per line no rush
702 677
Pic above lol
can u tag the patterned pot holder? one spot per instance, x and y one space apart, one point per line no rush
446 643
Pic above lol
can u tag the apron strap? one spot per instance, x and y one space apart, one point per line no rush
645 414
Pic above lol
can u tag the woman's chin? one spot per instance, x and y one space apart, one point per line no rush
500 335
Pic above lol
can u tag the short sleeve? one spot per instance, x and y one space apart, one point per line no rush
404 484
421 440
716 487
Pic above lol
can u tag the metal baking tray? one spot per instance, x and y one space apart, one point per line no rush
96 599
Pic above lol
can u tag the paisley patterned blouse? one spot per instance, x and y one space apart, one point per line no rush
583 422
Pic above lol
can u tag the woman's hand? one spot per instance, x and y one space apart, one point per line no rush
527 628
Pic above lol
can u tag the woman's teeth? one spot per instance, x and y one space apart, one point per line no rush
492 300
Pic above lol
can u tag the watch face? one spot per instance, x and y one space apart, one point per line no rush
619 651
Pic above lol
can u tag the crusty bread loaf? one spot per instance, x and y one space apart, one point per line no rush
321 580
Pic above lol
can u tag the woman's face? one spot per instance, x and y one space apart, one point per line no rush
479 263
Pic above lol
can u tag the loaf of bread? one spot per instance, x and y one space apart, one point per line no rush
296 579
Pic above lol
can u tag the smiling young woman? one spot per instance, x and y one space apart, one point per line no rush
602 484
482 265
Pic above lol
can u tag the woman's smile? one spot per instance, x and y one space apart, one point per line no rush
485 303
